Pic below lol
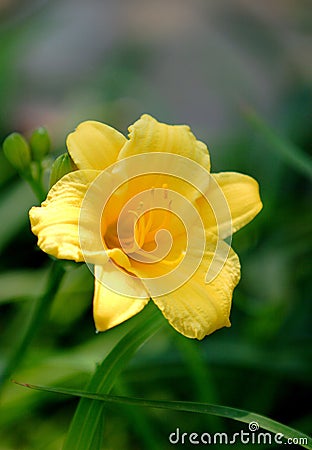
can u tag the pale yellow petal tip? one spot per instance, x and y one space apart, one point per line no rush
100 328
119 257
73 134
107 314
94 145
147 117
200 334
102 320
33 217
55 242
143 120
87 124
105 320
259 204
193 329
65 251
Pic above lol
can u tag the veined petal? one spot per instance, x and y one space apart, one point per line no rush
109 307
148 135
197 309
234 201
94 145
56 222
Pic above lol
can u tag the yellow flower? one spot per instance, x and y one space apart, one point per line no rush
150 220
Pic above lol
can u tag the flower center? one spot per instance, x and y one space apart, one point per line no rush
142 227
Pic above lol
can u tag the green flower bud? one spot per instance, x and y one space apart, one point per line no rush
39 143
17 151
61 166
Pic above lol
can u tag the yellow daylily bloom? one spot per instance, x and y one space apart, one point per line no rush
150 220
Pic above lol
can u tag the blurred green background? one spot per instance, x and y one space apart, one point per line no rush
195 62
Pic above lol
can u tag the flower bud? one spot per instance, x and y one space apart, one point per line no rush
61 166
17 151
39 143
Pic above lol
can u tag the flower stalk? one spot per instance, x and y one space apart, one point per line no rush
86 426
36 319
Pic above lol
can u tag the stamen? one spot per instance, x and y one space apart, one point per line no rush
146 224
131 211
165 187
149 231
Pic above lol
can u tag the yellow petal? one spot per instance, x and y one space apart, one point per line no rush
94 145
119 257
164 275
56 222
197 309
234 201
148 135
110 308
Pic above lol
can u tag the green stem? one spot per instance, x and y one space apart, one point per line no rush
86 425
36 184
140 424
202 380
39 312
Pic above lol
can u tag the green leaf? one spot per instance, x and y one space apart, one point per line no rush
140 425
194 407
21 284
290 153
202 382
35 321
88 420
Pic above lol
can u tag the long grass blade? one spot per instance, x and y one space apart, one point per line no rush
35 321
194 407
290 153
